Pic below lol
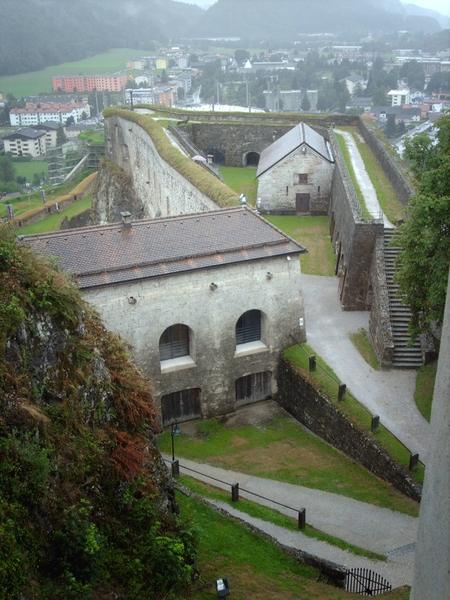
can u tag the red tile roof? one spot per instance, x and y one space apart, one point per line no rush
109 254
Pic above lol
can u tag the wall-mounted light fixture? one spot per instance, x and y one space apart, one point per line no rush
213 286
132 300
269 275
288 258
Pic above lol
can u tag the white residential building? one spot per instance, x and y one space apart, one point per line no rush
35 113
399 97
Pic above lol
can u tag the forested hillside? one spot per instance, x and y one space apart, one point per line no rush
288 18
39 33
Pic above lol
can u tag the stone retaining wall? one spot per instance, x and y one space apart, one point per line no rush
380 324
309 406
353 237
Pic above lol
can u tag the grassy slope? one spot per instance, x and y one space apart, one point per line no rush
284 451
53 222
390 204
36 82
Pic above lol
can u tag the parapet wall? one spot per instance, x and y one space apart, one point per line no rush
310 407
353 238
396 178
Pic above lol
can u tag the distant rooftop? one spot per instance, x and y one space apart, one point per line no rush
113 254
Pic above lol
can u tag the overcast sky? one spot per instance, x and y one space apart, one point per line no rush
442 6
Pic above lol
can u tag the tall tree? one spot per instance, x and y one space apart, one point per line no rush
7 169
424 263
60 135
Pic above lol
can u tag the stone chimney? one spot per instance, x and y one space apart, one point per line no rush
126 219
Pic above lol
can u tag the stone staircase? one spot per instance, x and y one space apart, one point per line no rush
404 356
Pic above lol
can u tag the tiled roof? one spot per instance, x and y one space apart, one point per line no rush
110 254
24 134
293 139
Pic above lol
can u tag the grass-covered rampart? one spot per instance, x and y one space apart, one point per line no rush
217 191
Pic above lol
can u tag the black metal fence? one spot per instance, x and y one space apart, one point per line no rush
365 582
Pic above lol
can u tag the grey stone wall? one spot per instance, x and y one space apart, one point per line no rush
315 411
160 188
352 236
236 140
211 316
389 165
379 323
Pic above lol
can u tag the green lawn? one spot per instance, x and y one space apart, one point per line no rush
242 181
255 567
37 82
283 450
354 411
53 222
28 169
423 395
313 234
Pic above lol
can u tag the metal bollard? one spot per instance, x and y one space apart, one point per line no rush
413 462
235 492
341 392
375 424
302 518
312 364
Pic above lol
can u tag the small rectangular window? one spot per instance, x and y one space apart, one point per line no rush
303 178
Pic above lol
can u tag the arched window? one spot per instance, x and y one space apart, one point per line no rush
248 327
174 342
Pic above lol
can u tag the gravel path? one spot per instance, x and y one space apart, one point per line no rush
377 529
389 394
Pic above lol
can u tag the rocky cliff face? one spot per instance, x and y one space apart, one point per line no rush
81 478
113 194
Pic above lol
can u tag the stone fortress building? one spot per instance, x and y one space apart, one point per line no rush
208 301
209 297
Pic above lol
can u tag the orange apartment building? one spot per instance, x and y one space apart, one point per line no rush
89 83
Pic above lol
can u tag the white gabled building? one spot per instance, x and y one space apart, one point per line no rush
36 113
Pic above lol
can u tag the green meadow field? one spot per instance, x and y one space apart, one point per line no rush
37 82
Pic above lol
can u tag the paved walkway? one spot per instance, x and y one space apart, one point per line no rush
377 529
389 394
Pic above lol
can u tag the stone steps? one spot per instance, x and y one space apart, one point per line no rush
400 315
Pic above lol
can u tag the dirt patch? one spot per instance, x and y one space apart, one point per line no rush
238 441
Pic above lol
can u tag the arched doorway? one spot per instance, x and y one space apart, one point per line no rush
251 159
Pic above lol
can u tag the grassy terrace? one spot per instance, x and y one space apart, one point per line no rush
255 567
53 222
390 205
348 161
353 410
283 450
